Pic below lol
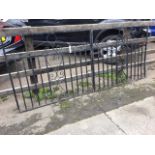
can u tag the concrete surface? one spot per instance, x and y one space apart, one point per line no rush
136 118
128 109
99 124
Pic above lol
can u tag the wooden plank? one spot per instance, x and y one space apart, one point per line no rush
45 52
71 28
64 50
150 51
31 60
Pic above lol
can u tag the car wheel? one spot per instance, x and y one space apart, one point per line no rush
110 52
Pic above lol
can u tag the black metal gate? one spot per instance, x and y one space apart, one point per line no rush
48 76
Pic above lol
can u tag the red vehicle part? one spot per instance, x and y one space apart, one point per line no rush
17 39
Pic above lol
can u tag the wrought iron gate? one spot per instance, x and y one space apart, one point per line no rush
48 76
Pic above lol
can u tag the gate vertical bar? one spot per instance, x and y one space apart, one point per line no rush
92 59
145 52
31 61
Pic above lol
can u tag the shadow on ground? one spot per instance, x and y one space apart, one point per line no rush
76 109
94 104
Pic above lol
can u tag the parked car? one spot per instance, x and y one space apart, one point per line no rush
151 29
11 44
75 37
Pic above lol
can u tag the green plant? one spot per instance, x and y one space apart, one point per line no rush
43 93
121 77
71 92
56 88
3 98
28 94
107 75
84 84
65 105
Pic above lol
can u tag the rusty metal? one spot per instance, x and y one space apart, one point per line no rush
67 72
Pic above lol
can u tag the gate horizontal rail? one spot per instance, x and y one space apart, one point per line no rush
43 70
66 50
69 79
72 28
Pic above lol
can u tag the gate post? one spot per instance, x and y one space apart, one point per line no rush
28 41
92 59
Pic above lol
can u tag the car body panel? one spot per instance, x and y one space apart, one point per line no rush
151 29
67 37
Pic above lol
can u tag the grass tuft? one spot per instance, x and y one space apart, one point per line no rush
3 98
120 76
43 93
84 84
65 105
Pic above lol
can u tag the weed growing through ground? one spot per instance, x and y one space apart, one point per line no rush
84 84
65 105
121 77
56 88
43 94
3 99
107 75
71 92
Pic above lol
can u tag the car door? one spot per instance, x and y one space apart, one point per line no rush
82 36
66 37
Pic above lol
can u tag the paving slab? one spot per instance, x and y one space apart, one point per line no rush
98 125
86 114
136 118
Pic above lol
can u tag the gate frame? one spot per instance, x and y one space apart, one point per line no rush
28 31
